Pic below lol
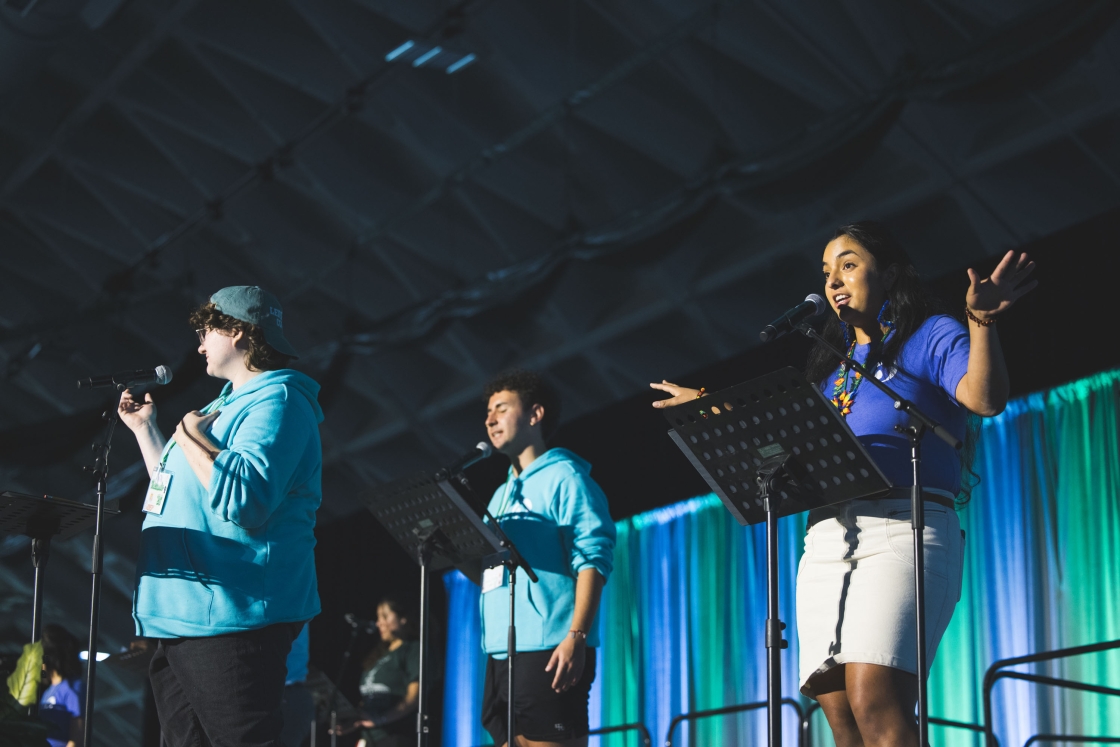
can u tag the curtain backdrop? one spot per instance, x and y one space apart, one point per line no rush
683 612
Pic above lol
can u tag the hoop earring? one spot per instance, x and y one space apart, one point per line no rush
883 322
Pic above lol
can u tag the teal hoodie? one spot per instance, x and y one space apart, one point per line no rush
238 554
557 516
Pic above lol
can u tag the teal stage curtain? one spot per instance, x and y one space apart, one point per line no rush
683 612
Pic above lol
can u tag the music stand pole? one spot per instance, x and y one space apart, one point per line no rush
40 553
424 555
101 472
774 626
914 432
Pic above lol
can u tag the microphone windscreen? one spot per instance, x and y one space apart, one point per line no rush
818 301
163 375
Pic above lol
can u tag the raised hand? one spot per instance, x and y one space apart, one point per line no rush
677 394
136 412
994 295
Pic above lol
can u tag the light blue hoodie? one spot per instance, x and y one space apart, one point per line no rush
557 516
238 554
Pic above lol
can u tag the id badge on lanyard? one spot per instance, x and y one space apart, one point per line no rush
157 491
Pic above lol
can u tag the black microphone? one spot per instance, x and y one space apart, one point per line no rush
356 622
159 375
812 306
480 451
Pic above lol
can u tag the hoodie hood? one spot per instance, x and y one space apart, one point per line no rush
294 380
551 457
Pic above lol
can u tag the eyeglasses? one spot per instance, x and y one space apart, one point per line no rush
201 335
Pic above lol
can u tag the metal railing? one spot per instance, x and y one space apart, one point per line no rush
643 732
695 715
1069 738
998 671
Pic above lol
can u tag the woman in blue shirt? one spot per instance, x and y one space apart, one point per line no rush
855 587
60 706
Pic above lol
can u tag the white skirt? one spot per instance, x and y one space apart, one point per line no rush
855 586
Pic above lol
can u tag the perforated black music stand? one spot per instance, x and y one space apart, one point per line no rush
432 518
771 447
43 518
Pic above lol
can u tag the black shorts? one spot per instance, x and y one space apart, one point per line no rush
540 713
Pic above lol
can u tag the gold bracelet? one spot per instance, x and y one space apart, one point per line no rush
983 323
701 393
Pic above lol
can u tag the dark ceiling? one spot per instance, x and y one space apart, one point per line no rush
612 191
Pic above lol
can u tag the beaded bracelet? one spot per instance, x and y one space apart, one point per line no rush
701 393
981 322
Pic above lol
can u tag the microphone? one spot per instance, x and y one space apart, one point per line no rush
356 622
480 451
159 376
812 306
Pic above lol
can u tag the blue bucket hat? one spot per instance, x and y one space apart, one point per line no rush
255 305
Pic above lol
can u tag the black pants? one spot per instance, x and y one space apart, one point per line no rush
539 712
225 690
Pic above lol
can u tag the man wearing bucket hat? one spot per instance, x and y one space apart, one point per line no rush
226 572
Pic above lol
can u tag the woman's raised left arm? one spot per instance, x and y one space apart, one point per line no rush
985 387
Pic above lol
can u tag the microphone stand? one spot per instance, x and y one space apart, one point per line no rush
512 560
354 632
919 424
100 470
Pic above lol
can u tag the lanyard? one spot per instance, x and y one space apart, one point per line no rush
205 411
504 505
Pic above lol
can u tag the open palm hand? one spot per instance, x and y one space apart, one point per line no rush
993 295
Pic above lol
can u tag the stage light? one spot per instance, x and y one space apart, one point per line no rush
84 655
461 63
426 56
400 50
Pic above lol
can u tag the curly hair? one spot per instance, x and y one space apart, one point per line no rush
261 355
60 652
531 387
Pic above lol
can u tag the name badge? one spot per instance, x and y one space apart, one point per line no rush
157 491
493 578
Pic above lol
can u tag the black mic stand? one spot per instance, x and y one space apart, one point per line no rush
512 560
919 423
100 470
356 629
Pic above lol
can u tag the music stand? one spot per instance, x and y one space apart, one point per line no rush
771 447
432 518
42 518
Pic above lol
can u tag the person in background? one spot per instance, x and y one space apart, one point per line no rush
390 683
298 705
60 706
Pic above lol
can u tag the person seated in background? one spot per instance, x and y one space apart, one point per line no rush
390 683
61 704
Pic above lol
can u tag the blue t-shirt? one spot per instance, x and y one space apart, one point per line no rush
928 369
59 705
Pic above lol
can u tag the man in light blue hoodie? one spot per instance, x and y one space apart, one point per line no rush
226 574
557 516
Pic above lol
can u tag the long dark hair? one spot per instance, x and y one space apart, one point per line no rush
407 632
60 652
910 305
